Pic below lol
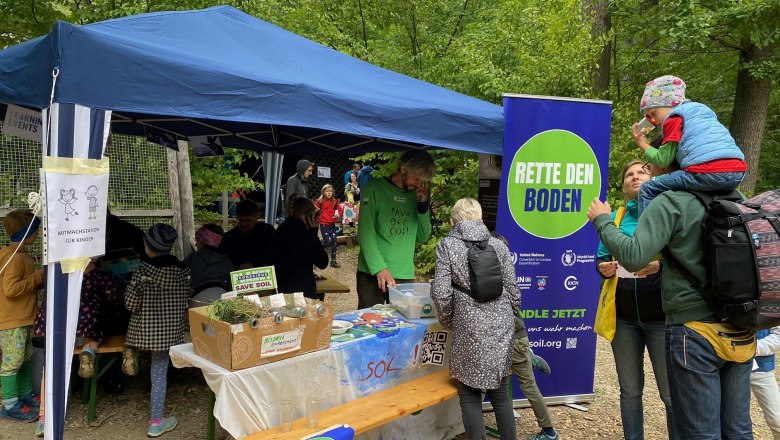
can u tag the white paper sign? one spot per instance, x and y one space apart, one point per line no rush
280 343
76 215
323 172
623 273
24 123
277 300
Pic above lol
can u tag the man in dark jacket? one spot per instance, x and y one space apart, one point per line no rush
298 182
248 244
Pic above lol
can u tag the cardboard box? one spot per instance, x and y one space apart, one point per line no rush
239 346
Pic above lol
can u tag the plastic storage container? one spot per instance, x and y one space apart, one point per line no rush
413 300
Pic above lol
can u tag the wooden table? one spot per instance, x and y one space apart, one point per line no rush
330 285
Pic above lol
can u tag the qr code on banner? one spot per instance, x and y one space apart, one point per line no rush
571 343
433 348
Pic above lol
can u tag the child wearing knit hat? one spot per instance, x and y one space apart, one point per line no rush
157 298
19 284
709 158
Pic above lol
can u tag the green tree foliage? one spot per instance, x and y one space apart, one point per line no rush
485 48
724 50
212 176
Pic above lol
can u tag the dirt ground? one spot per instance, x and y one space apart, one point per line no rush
126 415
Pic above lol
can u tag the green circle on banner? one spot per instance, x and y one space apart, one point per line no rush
553 178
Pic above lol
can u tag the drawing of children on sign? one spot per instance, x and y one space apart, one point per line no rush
93 201
68 198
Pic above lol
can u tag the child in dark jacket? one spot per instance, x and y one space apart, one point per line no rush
157 299
210 268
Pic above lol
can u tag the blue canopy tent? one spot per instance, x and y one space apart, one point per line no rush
222 72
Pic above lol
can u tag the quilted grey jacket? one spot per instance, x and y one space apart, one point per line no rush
481 332
157 299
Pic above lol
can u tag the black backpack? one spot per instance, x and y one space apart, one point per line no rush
485 275
742 255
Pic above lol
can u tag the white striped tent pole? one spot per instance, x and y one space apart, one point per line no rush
78 132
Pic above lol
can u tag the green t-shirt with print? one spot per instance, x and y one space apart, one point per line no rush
389 224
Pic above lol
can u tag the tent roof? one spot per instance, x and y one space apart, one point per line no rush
221 71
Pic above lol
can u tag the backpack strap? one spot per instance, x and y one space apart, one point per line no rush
621 212
706 198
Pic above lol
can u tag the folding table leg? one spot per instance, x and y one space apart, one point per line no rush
212 425
93 390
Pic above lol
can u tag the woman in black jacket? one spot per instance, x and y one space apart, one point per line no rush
296 248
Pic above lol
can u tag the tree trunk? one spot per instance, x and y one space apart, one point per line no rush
602 24
751 104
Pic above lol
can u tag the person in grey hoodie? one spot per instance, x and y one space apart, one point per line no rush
298 182
481 331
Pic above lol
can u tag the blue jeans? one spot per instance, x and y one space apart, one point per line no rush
628 347
681 180
711 396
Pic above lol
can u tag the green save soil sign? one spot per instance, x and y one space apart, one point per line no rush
554 177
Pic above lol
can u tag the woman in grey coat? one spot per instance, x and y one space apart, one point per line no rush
481 331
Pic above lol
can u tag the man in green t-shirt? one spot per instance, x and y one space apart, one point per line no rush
394 214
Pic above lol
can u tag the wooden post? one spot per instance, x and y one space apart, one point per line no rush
186 204
173 181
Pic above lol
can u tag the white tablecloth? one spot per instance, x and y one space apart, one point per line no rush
247 401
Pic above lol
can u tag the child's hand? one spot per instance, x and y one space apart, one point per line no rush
639 137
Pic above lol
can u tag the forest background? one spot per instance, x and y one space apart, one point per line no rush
725 50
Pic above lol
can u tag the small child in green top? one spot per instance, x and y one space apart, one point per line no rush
709 158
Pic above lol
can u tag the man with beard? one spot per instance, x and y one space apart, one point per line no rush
394 214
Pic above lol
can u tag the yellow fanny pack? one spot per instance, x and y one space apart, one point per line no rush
730 343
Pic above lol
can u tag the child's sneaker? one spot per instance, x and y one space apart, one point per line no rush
335 264
86 364
538 363
541 435
39 428
20 412
129 361
167 424
32 400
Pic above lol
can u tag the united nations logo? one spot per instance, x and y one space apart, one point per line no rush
568 258
541 282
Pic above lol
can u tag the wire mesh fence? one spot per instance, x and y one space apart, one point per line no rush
138 180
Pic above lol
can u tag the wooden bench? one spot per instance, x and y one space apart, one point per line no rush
347 239
329 285
374 410
110 344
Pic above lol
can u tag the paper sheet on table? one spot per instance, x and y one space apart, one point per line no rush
623 273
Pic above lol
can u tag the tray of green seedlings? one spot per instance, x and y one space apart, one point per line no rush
237 310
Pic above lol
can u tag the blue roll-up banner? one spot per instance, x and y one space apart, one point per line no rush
555 162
